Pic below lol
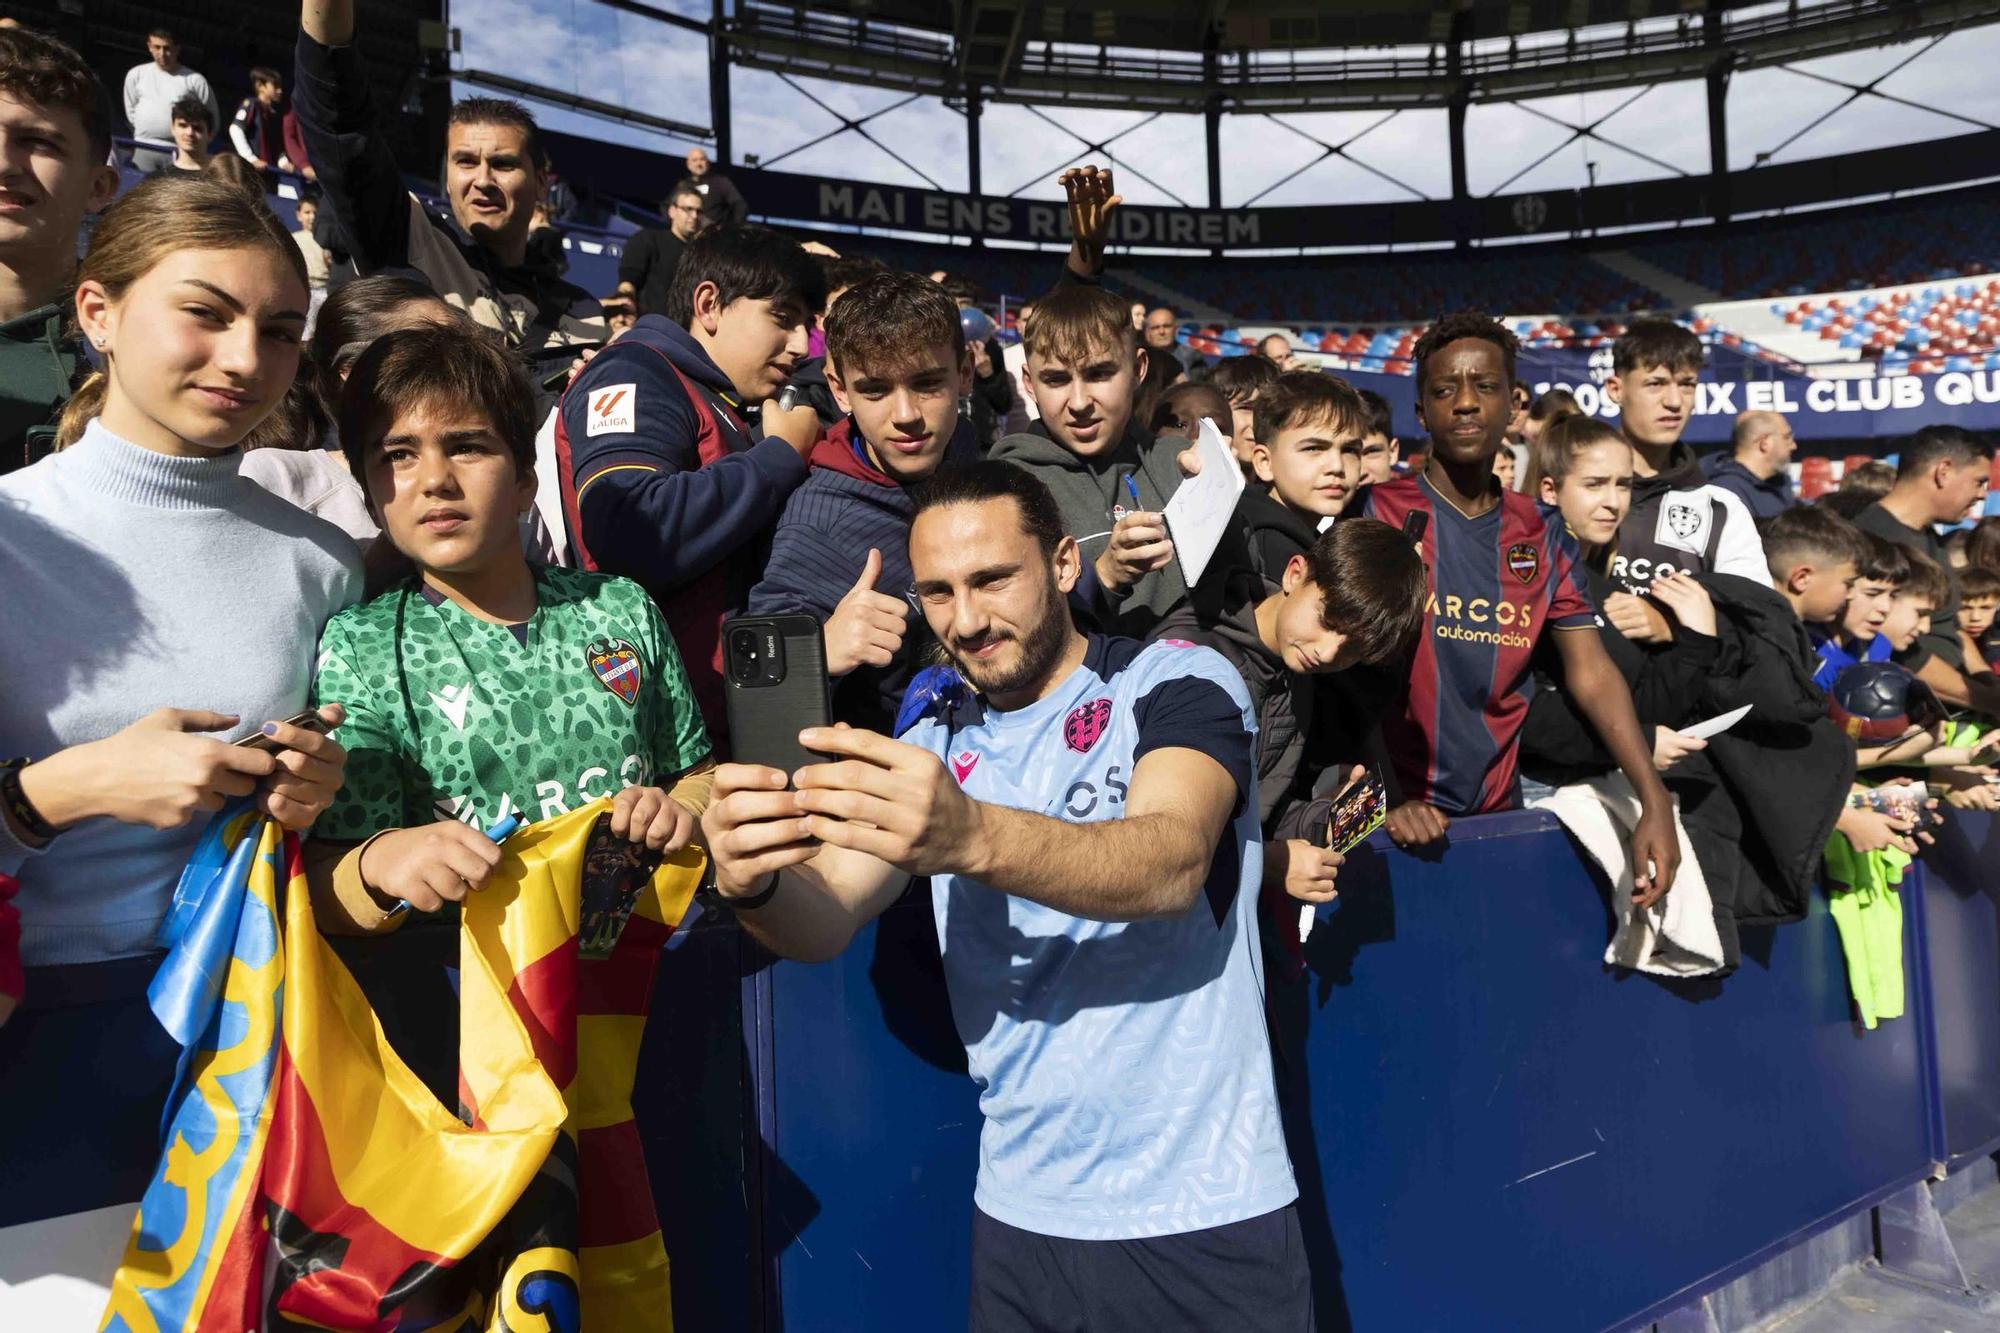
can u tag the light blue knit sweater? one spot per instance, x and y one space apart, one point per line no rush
131 581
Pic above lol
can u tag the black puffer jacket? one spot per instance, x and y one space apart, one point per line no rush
1283 702
1761 801
1558 743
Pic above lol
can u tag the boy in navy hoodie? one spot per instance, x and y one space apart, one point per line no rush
897 362
662 479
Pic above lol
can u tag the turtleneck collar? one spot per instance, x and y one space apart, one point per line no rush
116 468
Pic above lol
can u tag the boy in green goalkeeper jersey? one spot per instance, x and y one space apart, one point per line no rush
482 686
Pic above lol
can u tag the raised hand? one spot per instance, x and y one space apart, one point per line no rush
867 628
1092 199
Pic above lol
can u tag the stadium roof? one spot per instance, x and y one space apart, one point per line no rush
1271 55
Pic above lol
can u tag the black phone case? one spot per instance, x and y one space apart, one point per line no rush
765 720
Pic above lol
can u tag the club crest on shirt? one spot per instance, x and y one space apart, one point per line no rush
1683 524
616 666
963 763
1523 561
1085 725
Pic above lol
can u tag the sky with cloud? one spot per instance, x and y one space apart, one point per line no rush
631 61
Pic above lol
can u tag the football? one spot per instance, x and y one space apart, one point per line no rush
1876 702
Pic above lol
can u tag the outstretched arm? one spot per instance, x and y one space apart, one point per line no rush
1600 692
898 804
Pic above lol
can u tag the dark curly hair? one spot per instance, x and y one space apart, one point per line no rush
1464 324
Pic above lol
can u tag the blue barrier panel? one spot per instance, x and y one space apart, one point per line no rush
1962 929
1503 1133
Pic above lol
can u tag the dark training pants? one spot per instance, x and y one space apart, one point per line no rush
1247 1277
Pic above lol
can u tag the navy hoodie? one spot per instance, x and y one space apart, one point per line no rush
847 506
663 483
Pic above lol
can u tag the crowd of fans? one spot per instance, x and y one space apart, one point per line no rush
465 486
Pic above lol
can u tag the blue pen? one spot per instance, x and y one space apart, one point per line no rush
1132 487
499 832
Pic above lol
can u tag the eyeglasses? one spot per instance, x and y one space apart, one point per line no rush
684 208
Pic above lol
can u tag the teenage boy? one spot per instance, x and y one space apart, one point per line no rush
1678 521
1883 571
1110 477
1379 447
55 123
1185 406
494 176
438 673
1307 457
896 362
1354 597
1815 559
1499 578
1941 472
192 130
266 129
661 479
1240 379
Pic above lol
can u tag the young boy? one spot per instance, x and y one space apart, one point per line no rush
50 97
1815 558
1307 458
1355 596
1678 520
481 686
1499 576
1110 477
897 362
661 478
192 130
1380 449
1240 379
1884 569
1978 598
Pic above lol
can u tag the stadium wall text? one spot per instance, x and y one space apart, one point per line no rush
1027 220
1885 406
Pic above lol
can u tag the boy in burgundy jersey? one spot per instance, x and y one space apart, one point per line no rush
1499 575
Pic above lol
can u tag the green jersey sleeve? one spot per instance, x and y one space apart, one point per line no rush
679 740
374 793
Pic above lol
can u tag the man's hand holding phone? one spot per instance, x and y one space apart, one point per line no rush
753 828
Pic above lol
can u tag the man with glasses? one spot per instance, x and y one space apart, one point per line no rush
651 257
1162 336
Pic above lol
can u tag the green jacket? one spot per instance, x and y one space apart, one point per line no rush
39 369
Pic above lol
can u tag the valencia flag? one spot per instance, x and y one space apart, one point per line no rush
309 1180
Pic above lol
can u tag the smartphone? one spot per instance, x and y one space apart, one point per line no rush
257 740
1357 812
774 686
1414 524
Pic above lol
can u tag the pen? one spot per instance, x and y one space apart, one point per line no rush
1132 488
500 831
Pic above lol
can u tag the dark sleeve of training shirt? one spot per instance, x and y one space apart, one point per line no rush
1193 712
635 491
358 179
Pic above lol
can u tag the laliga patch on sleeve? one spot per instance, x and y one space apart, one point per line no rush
1684 523
612 410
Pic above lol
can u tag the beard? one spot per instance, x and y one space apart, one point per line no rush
1039 652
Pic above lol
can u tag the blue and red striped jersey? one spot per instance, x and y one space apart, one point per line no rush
1495 582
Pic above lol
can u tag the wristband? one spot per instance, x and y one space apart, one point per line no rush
20 810
755 900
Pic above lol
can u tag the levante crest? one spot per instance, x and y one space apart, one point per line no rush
616 666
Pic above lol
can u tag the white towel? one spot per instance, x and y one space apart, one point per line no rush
1676 936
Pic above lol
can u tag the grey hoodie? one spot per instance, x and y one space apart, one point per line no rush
1089 491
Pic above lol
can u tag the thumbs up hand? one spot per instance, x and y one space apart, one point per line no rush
867 628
